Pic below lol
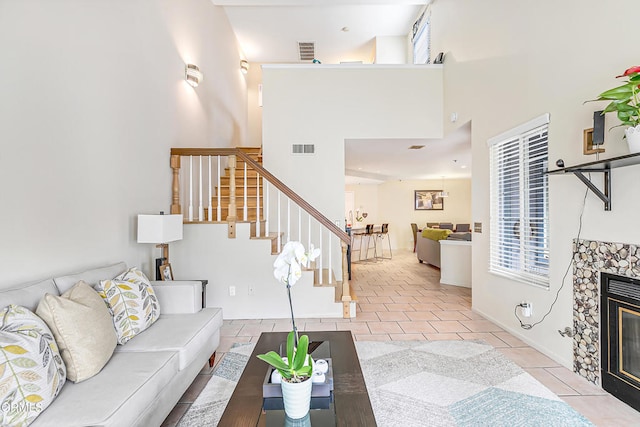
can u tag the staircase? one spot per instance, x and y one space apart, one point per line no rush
253 185
252 181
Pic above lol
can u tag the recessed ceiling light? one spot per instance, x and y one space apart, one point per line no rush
463 166
416 147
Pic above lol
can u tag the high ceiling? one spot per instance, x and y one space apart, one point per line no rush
344 31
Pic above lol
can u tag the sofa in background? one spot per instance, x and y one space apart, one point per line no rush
144 379
428 248
428 245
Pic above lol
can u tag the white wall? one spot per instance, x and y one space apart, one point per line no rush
207 252
92 97
392 202
506 63
254 111
324 104
391 50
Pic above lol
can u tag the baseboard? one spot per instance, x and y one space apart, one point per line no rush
518 334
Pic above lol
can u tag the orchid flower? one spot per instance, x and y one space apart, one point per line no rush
288 266
287 269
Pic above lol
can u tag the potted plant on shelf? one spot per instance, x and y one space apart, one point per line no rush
625 101
296 371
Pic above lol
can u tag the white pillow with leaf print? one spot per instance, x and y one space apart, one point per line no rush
132 302
32 372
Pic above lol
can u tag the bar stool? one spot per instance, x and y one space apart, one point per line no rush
381 235
359 234
368 233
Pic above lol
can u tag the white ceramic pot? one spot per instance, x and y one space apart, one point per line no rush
633 138
296 398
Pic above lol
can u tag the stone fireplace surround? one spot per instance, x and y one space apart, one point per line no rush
590 258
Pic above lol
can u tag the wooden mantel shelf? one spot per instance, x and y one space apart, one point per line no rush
601 166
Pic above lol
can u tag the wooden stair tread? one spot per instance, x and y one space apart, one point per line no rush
269 236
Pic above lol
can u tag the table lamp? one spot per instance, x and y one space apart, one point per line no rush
160 229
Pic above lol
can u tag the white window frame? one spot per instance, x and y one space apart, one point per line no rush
421 38
519 193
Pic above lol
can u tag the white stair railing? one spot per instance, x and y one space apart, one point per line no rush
286 228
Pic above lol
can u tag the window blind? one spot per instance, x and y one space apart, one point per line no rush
421 39
519 237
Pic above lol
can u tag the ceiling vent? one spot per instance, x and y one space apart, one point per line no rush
303 149
307 50
416 147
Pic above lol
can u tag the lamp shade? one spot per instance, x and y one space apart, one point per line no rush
159 228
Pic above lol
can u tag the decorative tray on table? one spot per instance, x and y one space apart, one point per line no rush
318 389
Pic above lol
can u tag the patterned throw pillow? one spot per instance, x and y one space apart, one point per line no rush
132 302
32 372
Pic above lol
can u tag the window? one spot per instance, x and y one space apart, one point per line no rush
519 236
421 39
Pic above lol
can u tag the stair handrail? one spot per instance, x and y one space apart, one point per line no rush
326 222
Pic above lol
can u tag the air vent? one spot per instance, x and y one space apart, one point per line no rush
307 50
416 147
303 149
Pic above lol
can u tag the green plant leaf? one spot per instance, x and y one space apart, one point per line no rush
301 353
619 93
290 345
274 359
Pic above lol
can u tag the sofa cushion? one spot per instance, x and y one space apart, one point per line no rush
436 233
28 295
83 328
91 277
127 385
132 302
31 370
184 333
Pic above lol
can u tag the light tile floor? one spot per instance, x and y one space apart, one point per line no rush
401 299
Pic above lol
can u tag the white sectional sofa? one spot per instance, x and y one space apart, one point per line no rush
144 378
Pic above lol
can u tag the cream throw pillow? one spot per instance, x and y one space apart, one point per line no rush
83 329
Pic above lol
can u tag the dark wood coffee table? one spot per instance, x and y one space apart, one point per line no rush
350 399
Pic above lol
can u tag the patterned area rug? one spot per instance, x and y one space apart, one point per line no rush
422 383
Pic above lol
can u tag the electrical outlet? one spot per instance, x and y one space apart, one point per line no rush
527 309
232 291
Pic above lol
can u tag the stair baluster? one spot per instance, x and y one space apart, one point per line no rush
200 208
175 184
209 207
218 205
244 208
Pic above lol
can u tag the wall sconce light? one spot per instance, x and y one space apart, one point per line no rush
192 75
244 66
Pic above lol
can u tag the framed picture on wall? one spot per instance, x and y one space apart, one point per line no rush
428 200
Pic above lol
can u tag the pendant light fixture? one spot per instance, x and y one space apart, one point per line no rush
442 192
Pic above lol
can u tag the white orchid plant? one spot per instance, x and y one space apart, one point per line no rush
287 269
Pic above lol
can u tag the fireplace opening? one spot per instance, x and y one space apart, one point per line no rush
620 320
